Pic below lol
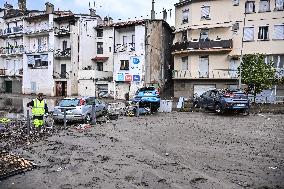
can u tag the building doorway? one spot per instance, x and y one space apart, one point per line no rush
61 88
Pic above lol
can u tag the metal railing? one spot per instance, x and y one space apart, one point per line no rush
12 50
215 74
12 30
63 53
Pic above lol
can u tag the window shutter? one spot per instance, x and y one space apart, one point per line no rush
205 11
31 60
248 34
264 6
279 32
279 4
44 57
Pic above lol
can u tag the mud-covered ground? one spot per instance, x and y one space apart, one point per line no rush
166 150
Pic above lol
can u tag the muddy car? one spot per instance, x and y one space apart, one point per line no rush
78 109
221 101
148 97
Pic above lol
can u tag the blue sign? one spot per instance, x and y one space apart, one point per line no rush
120 77
136 61
136 77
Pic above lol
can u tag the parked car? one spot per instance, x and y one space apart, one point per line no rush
148 97
224 100
78 109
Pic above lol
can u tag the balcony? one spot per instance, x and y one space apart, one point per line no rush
214 74
38 30
63 31
11 72
94 74
3 72
124 47
11 51
62 75
11 31
38 49
203 46
63 53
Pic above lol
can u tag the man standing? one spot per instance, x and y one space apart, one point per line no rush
39 108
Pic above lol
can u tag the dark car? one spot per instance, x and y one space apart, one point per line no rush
224 100
148 97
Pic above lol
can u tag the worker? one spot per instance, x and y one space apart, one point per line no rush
39 108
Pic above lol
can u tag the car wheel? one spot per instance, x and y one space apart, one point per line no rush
88 118
219 109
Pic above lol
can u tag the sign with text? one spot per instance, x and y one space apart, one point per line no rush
136 77
120 77
128 77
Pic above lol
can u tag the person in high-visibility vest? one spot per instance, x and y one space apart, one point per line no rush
39 108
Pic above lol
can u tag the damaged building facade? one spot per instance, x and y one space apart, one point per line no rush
209 41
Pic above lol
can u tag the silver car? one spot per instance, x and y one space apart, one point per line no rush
79 109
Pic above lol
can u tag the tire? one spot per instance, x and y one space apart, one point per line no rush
88 119
219 109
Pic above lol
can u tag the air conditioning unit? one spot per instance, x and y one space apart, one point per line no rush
236 2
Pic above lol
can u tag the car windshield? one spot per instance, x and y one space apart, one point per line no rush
146 89
69 102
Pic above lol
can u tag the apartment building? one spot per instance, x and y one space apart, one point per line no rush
211 36
141 55
11 48
58 44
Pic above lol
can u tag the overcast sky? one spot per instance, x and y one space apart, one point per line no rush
117 9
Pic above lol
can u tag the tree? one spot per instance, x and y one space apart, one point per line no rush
257 74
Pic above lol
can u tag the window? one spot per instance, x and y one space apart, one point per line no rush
99 32
185 14
250 7
203 66
100 66
37 61
132 48
279 4
264 6
184 63
248 34
236 2
184 35
205 11
204 34
124 64
278 31
263 33
64 45
124 41
100 48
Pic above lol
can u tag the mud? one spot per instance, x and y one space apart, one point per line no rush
175 150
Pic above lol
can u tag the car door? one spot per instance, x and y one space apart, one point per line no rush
211 99
98 107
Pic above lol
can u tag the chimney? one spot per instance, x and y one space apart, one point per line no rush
110 20
153 10
22 5
92 12
49 8
8 6
106 20
165 14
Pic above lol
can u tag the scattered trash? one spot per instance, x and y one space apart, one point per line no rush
82 127
272 167
11 165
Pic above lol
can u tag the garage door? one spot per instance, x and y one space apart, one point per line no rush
200 89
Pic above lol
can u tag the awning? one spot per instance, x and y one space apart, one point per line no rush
100 59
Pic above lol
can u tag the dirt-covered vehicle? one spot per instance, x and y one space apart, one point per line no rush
148 97
224 100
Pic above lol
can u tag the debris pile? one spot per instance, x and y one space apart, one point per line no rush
11 165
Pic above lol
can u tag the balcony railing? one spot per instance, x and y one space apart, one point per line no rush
214 74
39 49
11 72
203 45
11 31
38 29
128 47
2 72
63 53
12 50
62 31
